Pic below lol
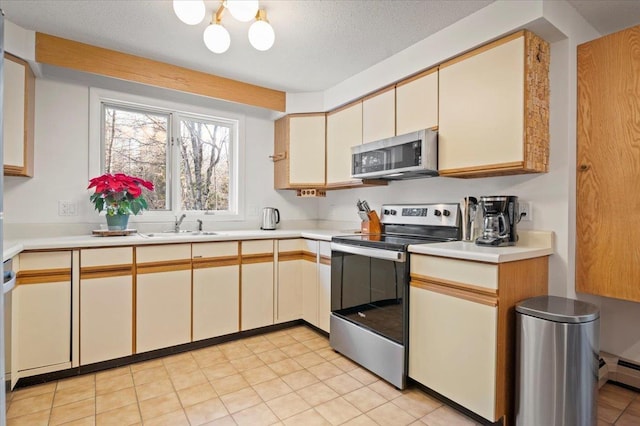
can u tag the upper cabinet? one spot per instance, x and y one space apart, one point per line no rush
299 157
379 115
494 109
19 107
417 103
344 130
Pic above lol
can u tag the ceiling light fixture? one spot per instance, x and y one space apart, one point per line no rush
216 37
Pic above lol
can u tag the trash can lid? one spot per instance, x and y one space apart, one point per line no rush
559 309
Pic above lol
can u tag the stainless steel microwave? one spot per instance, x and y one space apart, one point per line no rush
407 156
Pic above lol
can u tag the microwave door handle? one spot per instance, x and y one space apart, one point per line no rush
396 256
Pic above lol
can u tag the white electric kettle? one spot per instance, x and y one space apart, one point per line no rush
270 217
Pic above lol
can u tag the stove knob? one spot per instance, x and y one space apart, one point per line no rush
393 212
437 213
386 212
446 212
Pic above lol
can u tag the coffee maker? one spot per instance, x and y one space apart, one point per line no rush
499 218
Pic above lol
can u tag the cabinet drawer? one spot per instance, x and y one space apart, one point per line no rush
257 247
456 271
297 244
106 256
161 253
45 260
215 249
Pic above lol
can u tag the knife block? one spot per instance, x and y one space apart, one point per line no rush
371 226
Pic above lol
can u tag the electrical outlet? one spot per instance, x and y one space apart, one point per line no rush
525 207
67 208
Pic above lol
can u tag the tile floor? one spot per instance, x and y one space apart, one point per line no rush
288 377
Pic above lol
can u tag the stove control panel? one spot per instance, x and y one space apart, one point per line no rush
420 214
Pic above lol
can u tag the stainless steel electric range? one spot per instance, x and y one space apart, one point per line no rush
370 285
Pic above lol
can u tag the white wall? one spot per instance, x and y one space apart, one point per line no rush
61 171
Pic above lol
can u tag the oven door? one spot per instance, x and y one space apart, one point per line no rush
369 288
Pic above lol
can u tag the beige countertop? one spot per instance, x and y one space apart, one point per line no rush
532 243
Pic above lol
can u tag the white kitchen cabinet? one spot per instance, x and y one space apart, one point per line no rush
41 314
163 296
494 109
299 151
379 115
310 282
324 286
453 348
344 130
19 112
257 284
462 328
417 102
216 289
289 280
106 304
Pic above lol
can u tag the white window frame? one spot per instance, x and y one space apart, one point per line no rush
97 97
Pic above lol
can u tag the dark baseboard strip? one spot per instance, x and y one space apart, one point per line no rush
453 404
624 385
602 363
628 364
159 353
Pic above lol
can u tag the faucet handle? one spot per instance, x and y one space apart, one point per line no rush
199 224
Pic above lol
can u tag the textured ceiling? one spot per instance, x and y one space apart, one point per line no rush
319 43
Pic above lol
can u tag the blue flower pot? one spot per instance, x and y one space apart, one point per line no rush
117 222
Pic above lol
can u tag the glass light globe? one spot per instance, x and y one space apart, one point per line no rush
261 35
242 10
216 38
191 12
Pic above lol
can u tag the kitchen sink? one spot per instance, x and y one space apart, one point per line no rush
179 234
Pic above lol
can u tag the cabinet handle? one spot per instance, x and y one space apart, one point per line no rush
197 257
279 156
584 167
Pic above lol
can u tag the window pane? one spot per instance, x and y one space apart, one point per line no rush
205 172
135 143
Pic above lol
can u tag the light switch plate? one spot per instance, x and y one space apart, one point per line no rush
67 208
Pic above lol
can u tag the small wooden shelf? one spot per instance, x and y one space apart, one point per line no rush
111 233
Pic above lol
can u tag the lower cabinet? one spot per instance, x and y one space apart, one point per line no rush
256 284
289 288
106 304
216 289
310 282
324 286
41 314
462 328
163 296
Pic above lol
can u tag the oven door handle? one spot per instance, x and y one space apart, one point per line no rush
396 256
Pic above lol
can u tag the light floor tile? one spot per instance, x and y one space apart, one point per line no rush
364 399
255 416
117 399
159 405
73 411
385 389
229 384
40 418
239 400
272 389
307 418
150 375
417 403
337 411
193 395
127 415
285 367
30 405
275 355
187 380
390 414
153 389
220 370
77 382
258 375
343 383
295 349
317 394
446 416
86 421
325 371
32 391
362 420
309 359
206 411
299 379
288 405
247 363
176 418
112 384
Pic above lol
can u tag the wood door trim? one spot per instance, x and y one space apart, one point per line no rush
104 271
487 168
423 279
309 256
345 106
257 258
483 48
43 276
215 262
417 76
71 54
379 92
325 260
457 293
165 266
285 256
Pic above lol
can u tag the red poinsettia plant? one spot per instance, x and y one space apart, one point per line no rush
119 193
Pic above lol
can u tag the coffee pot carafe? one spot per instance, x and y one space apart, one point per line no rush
270 217
500 215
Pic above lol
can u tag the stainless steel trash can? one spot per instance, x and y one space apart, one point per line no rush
557 360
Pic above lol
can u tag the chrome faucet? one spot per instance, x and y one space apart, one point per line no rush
199 224
178 222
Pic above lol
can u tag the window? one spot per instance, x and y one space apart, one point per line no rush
190 157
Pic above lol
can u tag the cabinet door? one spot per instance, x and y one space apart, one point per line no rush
216 289
452 347
324 286
41 313
310 283
344 130
417 103
106 304
163 296
307 150
379 116
482 108
289 285
18 125
257 284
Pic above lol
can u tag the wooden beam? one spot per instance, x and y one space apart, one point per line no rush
71 54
